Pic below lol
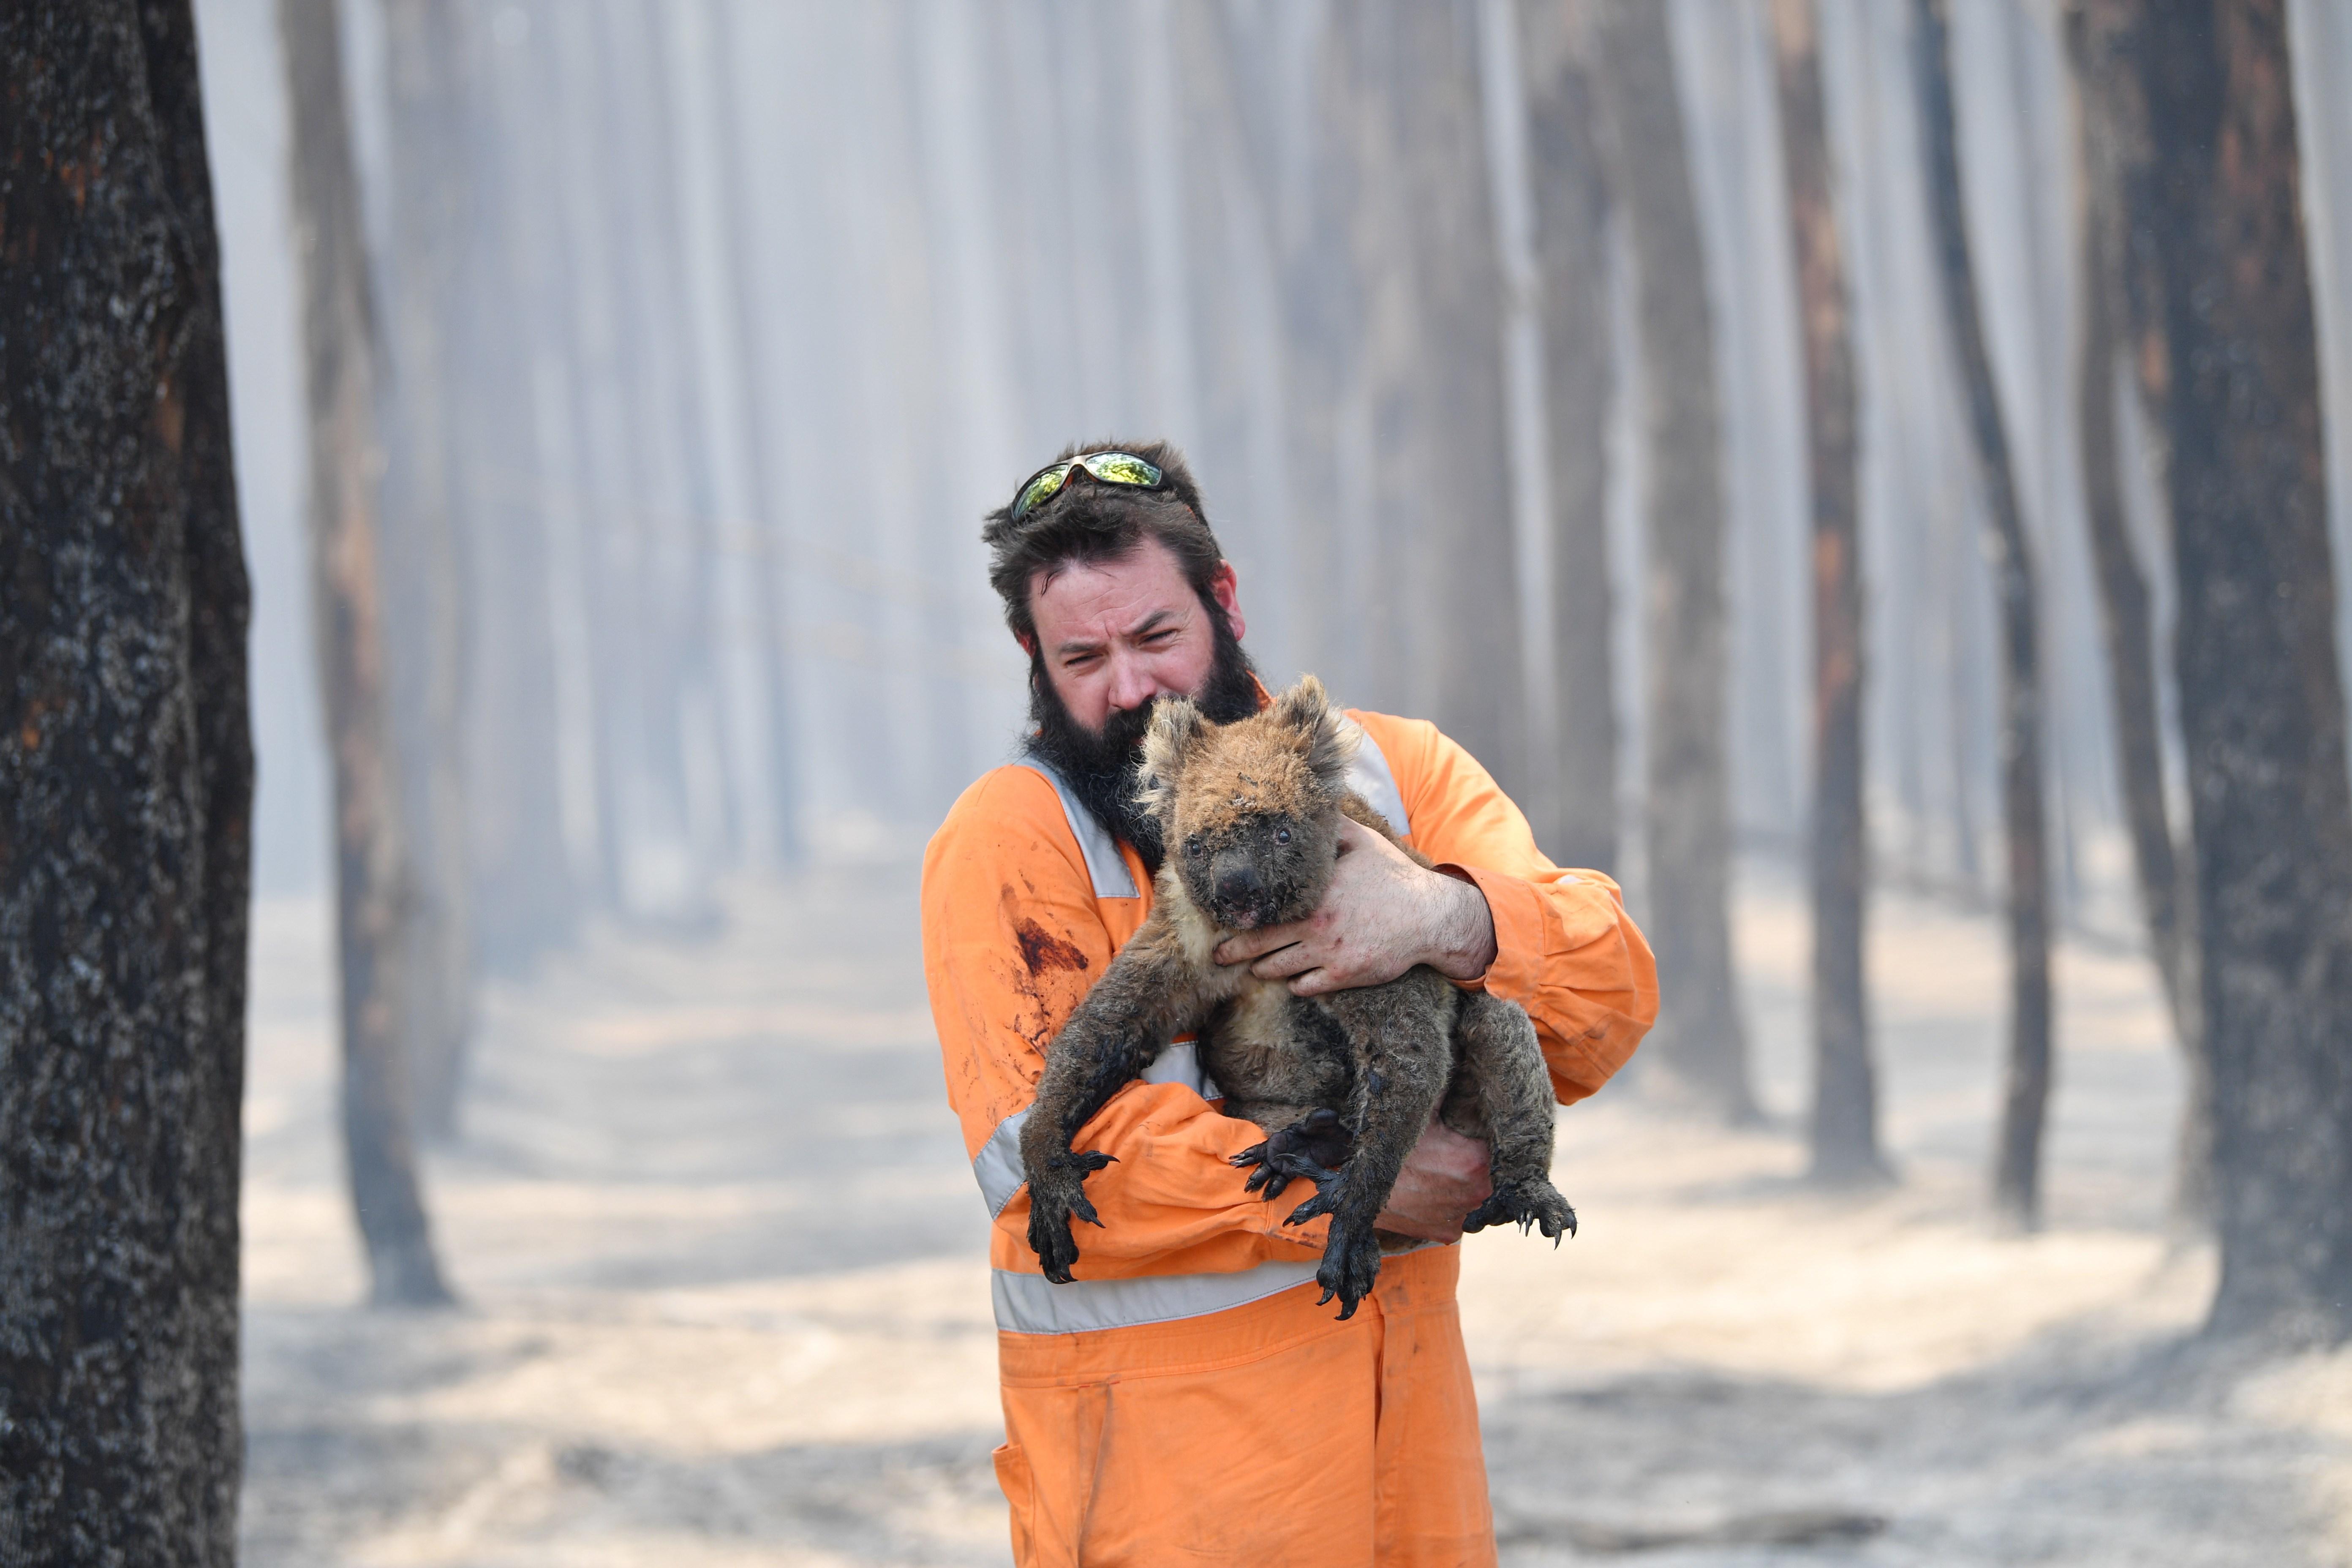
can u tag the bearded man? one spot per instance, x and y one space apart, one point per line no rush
1184 1400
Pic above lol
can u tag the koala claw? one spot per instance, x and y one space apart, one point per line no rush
1351 1262
1536 1203
1054 1203
1277 1169
1326 1200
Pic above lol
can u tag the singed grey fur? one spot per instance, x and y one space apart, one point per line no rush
1250 815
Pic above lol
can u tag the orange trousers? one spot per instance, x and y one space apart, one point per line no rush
1268 1433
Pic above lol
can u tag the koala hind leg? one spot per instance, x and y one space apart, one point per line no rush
1503 1066
1399 1035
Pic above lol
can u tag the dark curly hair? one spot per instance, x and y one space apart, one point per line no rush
1090 523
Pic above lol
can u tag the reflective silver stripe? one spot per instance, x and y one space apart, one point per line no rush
1032 1304
1369 777
1112 879
997 1167
1181 1063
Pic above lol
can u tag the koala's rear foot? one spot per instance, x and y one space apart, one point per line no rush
1056 1198
1351 1263
1531 1201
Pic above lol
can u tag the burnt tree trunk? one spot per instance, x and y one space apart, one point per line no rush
1446 635
372 878
126 782
1699 1047
1570 191
2262 695
424 591
2113 152
779 712
2025 1099
1845 1089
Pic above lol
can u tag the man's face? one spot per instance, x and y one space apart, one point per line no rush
1114 635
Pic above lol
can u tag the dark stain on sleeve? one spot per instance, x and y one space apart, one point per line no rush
1041 949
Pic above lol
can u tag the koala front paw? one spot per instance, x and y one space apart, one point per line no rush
1056 1197
1351 1262
1534 1202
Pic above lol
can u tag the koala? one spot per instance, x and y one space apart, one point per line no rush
1342 1084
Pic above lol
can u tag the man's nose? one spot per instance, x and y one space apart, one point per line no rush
1131 685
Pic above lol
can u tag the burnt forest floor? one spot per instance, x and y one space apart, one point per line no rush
726 1297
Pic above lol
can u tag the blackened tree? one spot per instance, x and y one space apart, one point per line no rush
2262 694
126 777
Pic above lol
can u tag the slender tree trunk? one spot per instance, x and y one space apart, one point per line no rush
1700 1044
768 594
1571 213
2017 1170
1446 641
372 878
2262 695
1845 1089
2113 148
522 896
425 594
126 778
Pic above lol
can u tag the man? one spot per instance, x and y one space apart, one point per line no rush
1185 1400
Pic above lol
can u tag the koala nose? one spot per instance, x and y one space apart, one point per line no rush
1238 884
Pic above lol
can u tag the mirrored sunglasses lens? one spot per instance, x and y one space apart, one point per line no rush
1121 468
1041 489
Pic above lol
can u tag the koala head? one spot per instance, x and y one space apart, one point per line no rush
1250 811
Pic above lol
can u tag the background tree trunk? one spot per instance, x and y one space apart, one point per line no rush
2262 696
425 592
1699 1047
2113 149
1445 637
1846 1090
372 878
126 779
2017 1168
1570 190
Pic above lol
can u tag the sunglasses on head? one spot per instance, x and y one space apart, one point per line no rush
1110 467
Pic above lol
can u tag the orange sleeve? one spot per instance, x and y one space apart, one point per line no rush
1013 939
1565 948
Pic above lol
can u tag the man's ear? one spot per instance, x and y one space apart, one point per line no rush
1176 727
1224 587
1028 643
1329 740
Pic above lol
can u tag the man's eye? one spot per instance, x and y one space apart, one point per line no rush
1282 836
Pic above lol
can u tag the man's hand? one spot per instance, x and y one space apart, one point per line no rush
1443 1178
1381 915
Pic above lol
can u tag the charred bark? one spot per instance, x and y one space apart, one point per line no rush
2025 1099
373 881
424 590
1572 215
1445 637
1846 1090
1699 1047
126 777
2262 695
2118 308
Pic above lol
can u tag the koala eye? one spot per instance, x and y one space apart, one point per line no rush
1195 848
1282 836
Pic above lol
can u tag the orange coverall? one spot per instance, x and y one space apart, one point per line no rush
1184 1400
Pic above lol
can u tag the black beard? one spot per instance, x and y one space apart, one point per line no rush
1100 766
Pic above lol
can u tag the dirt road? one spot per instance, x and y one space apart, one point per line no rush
727 1302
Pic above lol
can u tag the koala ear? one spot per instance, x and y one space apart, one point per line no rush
1176 724
1329 740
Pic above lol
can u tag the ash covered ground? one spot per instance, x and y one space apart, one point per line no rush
727 1300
